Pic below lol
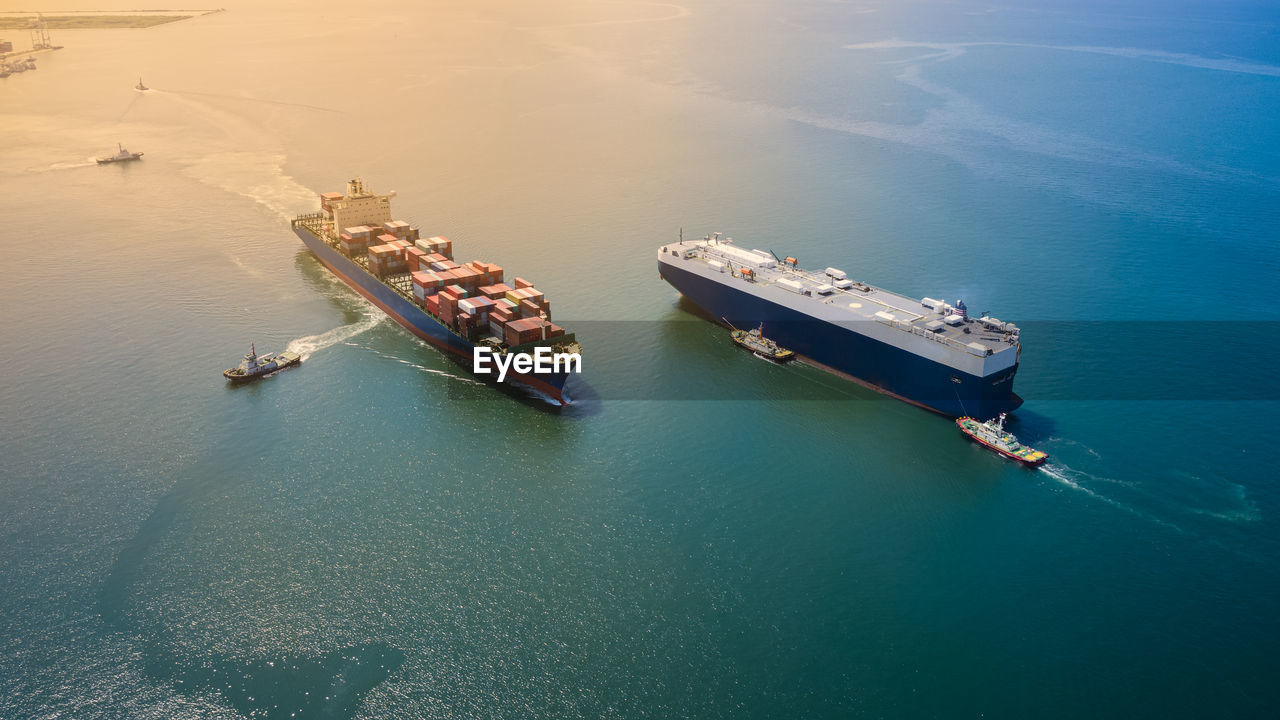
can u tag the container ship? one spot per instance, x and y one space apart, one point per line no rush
455 307
926 352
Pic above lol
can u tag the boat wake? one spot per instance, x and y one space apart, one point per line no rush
311 344
1071 479
257 176
416 366
53 167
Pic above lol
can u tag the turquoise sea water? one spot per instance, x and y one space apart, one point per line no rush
702 534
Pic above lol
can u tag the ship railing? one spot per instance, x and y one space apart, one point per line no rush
930 335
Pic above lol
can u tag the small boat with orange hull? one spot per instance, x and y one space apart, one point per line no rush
993 435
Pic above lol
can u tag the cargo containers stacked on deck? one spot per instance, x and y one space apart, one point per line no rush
401 229
386 260
527 330
415 280
477 302
328 200
442 246
355 241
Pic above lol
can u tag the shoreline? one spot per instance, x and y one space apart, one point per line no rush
98 19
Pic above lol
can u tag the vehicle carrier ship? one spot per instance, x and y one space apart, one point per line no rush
416 281
926 352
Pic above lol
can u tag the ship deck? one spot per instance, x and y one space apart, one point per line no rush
861 302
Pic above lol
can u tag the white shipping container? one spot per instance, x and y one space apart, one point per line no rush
792 285
835 273
824 289
885 316
844 284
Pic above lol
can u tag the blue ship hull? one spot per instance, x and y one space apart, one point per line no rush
417 320
850 354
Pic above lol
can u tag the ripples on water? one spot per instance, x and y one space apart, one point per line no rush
373 534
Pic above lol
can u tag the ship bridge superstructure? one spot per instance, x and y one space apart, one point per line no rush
357 206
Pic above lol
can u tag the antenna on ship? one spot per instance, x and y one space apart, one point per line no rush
681 235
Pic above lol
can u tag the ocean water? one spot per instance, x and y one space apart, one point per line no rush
376 534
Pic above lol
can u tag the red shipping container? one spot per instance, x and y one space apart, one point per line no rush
414 256
495 292
529 309
433 304
510 336
522 283
467 277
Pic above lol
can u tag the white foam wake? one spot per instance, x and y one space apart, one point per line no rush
311 344
416 366
1070 478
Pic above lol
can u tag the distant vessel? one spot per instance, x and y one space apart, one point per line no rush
122 156
993 435
755 342
140 86
255 366
926 352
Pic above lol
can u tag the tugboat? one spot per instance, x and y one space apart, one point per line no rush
140 86
755 342
255 366
993 435
122 156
